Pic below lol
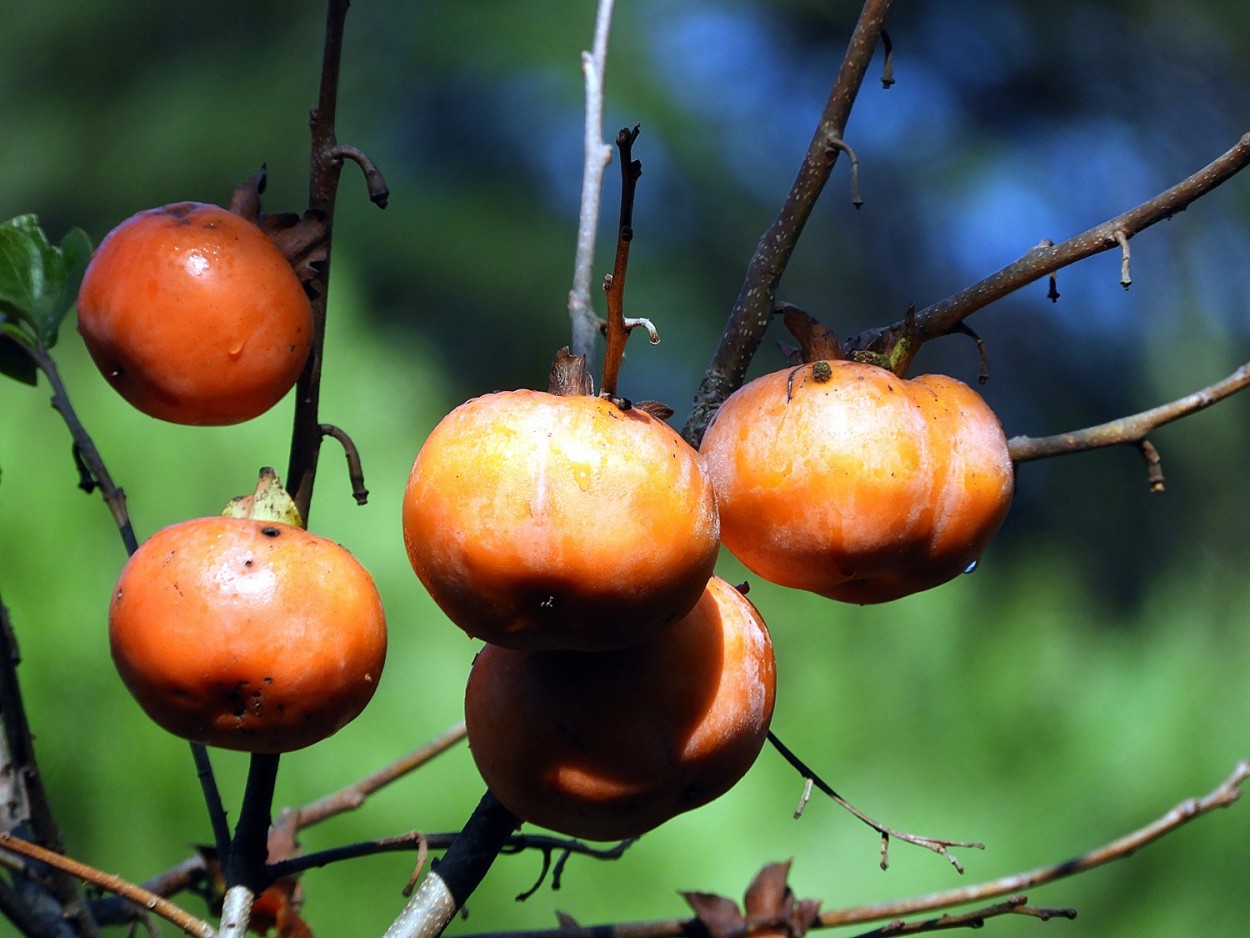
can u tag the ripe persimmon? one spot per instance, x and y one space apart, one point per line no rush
607 745
538 520
194 315
247 634
841 478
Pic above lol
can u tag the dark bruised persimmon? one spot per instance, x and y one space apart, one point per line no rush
538 520
607 745
194 315
247 634
841 478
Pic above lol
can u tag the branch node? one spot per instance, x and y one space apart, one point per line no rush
354 471
839 144
1154 465
379 193
1121 238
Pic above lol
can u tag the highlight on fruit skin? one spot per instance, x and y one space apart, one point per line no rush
194 316
609 745
247 634
841 478
538 520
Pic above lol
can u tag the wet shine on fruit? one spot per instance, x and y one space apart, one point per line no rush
247 634
537 520
194 316
844 479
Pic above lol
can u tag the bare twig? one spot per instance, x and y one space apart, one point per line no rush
752 310
352 797
976 918
466 861
86 455
1129 430
355 473
110 883
618 330
937 845
325 171
1046 258
1221 797
584 323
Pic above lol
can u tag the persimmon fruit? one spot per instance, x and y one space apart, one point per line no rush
608 745
841 478
538 520
247 634
194 316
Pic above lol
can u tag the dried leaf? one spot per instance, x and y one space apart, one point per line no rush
720 916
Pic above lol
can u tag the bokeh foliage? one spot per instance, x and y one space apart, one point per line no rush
1090 674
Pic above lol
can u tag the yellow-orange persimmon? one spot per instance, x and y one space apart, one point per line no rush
844 479
247 634
537 520
194 315
607 745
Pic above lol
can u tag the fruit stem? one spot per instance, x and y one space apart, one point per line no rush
617 329
249 851
463 867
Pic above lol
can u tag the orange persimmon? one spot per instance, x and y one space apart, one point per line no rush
841 478
538 520
194 316
607 745
247 634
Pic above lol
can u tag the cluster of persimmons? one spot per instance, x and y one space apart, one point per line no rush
622 681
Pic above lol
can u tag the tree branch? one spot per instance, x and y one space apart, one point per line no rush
941 317
1221 797
1129 430
752 310
582 318
110 883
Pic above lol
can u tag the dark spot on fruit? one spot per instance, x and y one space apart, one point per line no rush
248 562
822 372
270 531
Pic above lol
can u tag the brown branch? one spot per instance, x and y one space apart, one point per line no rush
325 171
1015 905
617 331
937 845
94 474
110 883
1221 797
940 318
355 472
1129 430
353 796
752 310
24 798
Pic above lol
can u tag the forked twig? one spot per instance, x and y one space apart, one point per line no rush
938 845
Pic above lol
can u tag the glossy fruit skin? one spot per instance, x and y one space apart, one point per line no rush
542 521
245 634
862 487
608 745
194 316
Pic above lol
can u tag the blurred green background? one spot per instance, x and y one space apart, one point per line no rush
1091 674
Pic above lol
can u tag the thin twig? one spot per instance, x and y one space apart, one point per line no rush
355 473
110 883
617 331
86 455
1221 797
582 319
939 318
1128 430
444 890
752 310
939 846
353 796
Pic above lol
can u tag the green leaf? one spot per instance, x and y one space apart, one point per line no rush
38 281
